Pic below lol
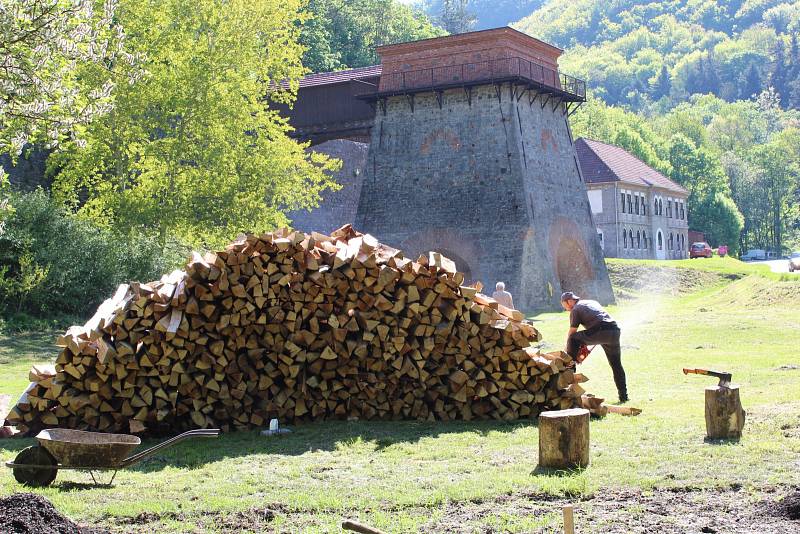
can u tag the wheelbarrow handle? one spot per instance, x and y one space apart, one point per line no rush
147 453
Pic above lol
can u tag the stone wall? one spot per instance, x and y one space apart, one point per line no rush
492 183
337 207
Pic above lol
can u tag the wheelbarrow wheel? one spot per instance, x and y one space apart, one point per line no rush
35 477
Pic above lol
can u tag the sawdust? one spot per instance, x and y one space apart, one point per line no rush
5 401
632 280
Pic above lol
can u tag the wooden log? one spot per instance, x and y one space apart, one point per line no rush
564 439
724 413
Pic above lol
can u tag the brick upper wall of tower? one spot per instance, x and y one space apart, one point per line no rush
468 48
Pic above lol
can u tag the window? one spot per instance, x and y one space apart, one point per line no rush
683 213
644 239
669 208
644 206
624 239
655 206
660 242
671 242
623 201
630 236
638 239
630 204
660 207
636 205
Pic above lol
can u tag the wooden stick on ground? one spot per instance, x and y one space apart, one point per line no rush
358 527
569 520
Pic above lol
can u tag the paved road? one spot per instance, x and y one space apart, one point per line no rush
777 266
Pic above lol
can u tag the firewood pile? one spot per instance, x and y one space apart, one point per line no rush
301 327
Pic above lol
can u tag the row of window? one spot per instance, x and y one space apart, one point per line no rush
641 239
675 241
636 204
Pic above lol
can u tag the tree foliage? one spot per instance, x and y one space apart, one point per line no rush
740 162
52 262
627 49
487 13
195 150
344 33
46 47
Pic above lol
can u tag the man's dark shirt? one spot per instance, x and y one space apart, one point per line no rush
590 314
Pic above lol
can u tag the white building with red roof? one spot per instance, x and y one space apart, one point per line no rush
638 212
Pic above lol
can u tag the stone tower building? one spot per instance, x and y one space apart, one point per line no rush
471 155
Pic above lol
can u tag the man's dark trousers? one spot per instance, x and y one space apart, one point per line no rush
609 338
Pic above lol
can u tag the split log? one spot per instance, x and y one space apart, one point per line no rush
724 413
564 439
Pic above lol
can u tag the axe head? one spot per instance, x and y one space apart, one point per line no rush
724 377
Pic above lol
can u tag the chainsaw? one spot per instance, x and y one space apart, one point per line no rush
584 353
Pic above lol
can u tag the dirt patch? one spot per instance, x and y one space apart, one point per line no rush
732 510
791 506
631 280
26 513
666 511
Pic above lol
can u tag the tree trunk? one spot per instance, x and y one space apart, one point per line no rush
724 413
564 439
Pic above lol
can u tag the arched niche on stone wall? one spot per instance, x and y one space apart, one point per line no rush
450 242
568 251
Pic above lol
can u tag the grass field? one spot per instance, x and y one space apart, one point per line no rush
481 476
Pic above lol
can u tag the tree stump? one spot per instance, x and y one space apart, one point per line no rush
724 413
564 439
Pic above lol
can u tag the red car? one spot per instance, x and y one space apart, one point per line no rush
701 249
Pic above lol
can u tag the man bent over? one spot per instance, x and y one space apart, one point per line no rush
599 329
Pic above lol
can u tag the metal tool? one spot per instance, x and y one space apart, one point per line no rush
584 353
724 378
62 448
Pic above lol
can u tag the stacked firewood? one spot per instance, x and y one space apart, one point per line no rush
298 327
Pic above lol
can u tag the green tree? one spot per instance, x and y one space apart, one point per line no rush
780 162
454 16
751 83
195 150
719 218
663 84
46 45
344 33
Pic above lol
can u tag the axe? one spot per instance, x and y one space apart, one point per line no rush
724 378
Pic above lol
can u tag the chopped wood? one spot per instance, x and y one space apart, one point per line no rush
299 327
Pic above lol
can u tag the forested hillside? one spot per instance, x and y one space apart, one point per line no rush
340 34
636 52
484 13
705 91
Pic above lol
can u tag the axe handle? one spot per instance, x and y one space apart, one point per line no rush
695 371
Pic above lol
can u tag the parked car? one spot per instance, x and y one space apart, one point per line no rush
722 251
794 262
754 254
701 249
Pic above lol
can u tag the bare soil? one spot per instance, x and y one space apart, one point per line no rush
732 510
632 280
27 513
666 511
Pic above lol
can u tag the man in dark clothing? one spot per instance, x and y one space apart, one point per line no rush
599 329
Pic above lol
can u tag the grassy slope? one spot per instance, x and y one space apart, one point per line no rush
403 476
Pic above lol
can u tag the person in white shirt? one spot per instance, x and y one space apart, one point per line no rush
502 296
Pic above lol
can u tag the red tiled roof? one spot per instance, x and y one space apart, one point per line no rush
601 162
340 76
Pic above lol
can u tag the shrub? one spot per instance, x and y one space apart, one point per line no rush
53 263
